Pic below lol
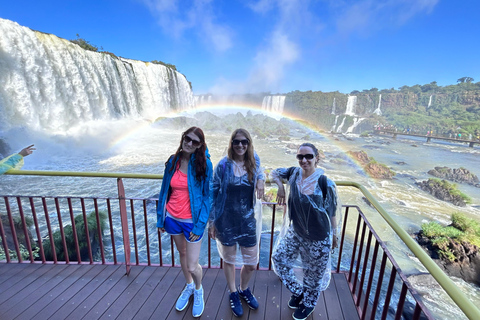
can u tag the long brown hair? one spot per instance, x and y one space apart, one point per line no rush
200 158
250 164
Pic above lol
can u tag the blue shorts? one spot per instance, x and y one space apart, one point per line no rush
176 227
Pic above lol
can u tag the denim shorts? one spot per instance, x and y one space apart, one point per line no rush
176 227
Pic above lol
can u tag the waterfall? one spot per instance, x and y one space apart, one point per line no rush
429 102
333 106
378 111
335 124
351 102
339 129
356 122
273 104
49 83
202 100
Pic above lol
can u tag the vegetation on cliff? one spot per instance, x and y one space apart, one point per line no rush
429 107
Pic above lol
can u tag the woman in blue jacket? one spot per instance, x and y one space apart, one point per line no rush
183 210
238 181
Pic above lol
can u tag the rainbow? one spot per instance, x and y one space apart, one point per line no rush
217 108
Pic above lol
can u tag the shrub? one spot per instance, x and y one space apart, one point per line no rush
81 235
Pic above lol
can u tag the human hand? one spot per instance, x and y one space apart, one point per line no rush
281 196
334 242
193 237
27 150
162 230
260 189
212 232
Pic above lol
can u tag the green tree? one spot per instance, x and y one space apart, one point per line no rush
465 80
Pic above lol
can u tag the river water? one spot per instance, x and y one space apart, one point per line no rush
142 147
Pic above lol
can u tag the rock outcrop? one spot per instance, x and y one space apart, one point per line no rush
372 168
467 258
439 191
461 175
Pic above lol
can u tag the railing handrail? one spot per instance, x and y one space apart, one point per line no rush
470 310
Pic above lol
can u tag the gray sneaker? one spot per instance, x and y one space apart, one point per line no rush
182 301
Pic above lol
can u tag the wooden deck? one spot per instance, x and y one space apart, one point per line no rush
36 291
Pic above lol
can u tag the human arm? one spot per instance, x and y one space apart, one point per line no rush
260 183
278 176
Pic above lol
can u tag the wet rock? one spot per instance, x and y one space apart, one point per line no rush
400 163
466 265
439 191
457 175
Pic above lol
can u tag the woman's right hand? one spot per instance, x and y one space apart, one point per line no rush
162 230
212 232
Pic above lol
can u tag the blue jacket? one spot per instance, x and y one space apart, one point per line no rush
223 174
198 192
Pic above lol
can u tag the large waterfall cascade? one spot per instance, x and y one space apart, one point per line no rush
429 102
274 103
351 102
333 106
378 111
50 83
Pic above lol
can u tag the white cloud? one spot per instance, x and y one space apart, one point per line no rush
176 17
368 16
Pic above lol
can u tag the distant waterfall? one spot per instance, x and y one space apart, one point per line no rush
333 106
351 102
429 102
273 104
50 83
202 100
335 124
378 111
356 122
339 129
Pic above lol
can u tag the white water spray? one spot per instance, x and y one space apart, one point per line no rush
50 84
378 111
351 102
273 104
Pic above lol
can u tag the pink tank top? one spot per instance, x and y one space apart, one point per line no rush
179 203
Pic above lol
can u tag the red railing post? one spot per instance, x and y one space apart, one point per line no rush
124 221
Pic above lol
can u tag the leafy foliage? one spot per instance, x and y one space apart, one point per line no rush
168 65
85 44
462 229
81 234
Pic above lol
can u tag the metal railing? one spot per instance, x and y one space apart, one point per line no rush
121 230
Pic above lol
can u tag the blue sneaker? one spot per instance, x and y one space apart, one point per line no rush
236 304
182 301
248 297
294 302
198 303
302 312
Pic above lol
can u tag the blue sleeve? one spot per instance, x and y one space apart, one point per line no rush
259 170
199 228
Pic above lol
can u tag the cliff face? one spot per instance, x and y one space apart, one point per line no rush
358 111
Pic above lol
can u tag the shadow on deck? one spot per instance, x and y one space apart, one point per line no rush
45 291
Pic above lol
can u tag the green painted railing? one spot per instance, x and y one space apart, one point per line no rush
470 310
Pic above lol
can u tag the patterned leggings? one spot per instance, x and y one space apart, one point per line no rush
315 258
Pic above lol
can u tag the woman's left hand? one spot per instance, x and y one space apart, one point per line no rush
193 237
260 189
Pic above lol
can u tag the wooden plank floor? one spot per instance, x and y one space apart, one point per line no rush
36 291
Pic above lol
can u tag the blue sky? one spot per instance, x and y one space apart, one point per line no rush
277 46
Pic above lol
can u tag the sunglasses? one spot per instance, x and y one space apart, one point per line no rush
244 142
187 140
308 156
